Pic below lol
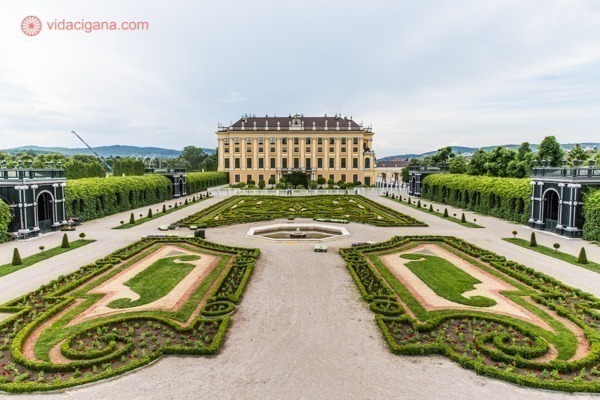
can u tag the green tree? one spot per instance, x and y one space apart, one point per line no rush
550 150
405 174
443 155
576 154
582 259
498 161
313 185
321 181
458 165
521 166
477 165
194 155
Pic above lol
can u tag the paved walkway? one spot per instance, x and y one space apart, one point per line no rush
302 330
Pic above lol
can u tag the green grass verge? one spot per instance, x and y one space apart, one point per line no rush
547 251
41 256
445 279
157 280
168 211
436 213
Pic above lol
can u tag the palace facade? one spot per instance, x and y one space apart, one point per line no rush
272 148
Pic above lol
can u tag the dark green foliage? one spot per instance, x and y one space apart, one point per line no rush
243 209
150 213
5 218
77 169
462 218
507 198
550 151
132 219
92 198
418 203
164 208
591 213
128 167
582 259
16 259
65 242
431 207
532 240
445 213
199 181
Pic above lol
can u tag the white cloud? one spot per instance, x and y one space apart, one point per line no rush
423 74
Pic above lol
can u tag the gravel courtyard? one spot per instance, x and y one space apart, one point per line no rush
302 330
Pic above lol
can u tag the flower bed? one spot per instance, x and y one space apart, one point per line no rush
330 208
103 346
515 349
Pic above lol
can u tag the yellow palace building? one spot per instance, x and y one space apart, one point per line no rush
272 148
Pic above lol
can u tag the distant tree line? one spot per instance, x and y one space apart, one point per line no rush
508 163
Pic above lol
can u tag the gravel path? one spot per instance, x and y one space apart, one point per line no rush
302 330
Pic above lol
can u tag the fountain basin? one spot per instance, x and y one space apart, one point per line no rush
309 232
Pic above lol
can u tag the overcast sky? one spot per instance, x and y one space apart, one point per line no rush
423 74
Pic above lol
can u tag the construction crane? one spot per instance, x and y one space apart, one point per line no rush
108 167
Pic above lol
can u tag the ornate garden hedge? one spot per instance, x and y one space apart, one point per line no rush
496 317
507 198
91 198
5 218
154 297
199 181
591 213
244 209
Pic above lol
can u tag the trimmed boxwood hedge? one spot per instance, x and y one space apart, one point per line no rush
199 181
490 344
4 221
591 213
506 198
123 342
91 198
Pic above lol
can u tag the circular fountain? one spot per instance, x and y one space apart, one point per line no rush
309 232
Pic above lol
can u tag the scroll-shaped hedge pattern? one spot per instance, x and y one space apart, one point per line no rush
559 352
108 345
506 198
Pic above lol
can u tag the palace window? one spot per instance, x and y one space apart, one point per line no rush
343 149
296 140
261 163
226 141
320 162
331 149
319 149
343 163
249 149
355 140
344 141
332 162
320 141
236 140
296 149
355 163
367 163
248 162
308 163
226 150
248 141
272 162
237 178
284 141
272 140
307 140
296 162
272 149
308 149
236 149
355 149
343 179
284 163
260 141
261 149
284 149
248 178
237 163
331 141
227 163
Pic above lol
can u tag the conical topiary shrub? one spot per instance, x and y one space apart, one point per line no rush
149 213
532 241
418 203
65 242
185 203
132 219
164 208
463 219
431 208
582 259
445 213
16 257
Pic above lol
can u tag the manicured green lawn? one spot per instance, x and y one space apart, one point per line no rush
445 279
157 280
143 220
592 266
41 256
413 204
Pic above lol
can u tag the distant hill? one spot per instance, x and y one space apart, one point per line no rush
107 151
470 150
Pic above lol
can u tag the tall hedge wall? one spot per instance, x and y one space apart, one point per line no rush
506 198
97 197
198 181
4 221
591 213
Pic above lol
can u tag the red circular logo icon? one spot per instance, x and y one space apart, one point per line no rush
31 25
